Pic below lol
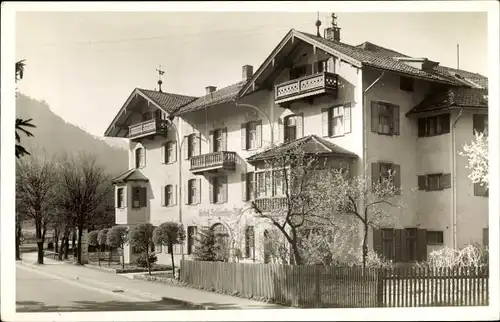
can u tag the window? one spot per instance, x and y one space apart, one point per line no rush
336 120
432 182
270 184
139 197
278 183
290 128
411 251
481 190
170 152
169 195
193 146
388 243
319 66
308 69
337 123
193 192
434 125
192 232
252 135
479 123
120 200
219 190
385 118
406 83
383 170
434 237
250 242
250 186
140 160
218 140
299 71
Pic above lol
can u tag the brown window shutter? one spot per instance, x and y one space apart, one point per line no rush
422 182
347 118
377 241
258 133
163 195
187 191
174 151
398 246
404 250
211 190
375 173
164 153
244 145
211 141
281 130
395 125
198 190
445 123
445 181
224 189
244 196
325 122
224 139
175 194
300 125
375 116
421 127
397 178
421 245
486 239
477 123
117 192
143 196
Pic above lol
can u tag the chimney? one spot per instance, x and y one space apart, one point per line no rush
210 89
333 32
247 72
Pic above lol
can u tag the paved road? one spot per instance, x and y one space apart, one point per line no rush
39 292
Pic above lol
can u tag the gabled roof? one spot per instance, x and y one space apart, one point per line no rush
167 102
130 175
454 97
310 144
220 96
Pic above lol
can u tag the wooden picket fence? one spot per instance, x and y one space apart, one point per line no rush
342 287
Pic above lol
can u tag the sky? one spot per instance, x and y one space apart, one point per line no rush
86 64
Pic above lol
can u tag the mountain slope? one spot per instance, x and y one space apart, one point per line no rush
55 136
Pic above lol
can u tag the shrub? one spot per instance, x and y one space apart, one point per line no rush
141 260
373 260
50 245
207 248
470 256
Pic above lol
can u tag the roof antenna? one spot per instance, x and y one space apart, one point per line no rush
160 73
458 56
318 24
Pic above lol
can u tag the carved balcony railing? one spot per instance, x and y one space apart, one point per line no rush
222 161
307 86
147 128
271 204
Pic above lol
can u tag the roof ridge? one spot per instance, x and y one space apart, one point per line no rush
166 93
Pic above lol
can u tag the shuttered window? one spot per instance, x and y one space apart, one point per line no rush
336 120
434 125
434 237
219 189
433 182
401 245
248 186
170 152
382 170
193 192
251 135
385 118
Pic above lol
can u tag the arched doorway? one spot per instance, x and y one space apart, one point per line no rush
222 240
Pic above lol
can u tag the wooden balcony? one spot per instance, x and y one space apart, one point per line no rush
222 161
307 87
147 128
271 204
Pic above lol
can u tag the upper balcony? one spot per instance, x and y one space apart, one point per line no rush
222 161
271 204
150 127
306 87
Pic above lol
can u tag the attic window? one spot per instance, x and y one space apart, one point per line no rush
406 84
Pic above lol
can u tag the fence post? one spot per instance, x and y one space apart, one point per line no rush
380 287
318 286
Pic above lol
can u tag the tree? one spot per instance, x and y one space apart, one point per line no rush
141 238
477 154
35 194
207 248
118 237
303 185
85 191
93 240
102 238
347 194
169 234
21 124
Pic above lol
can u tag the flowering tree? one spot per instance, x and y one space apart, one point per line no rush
477 154
117 237
169 234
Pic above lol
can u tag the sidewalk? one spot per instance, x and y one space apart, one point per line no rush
144 289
